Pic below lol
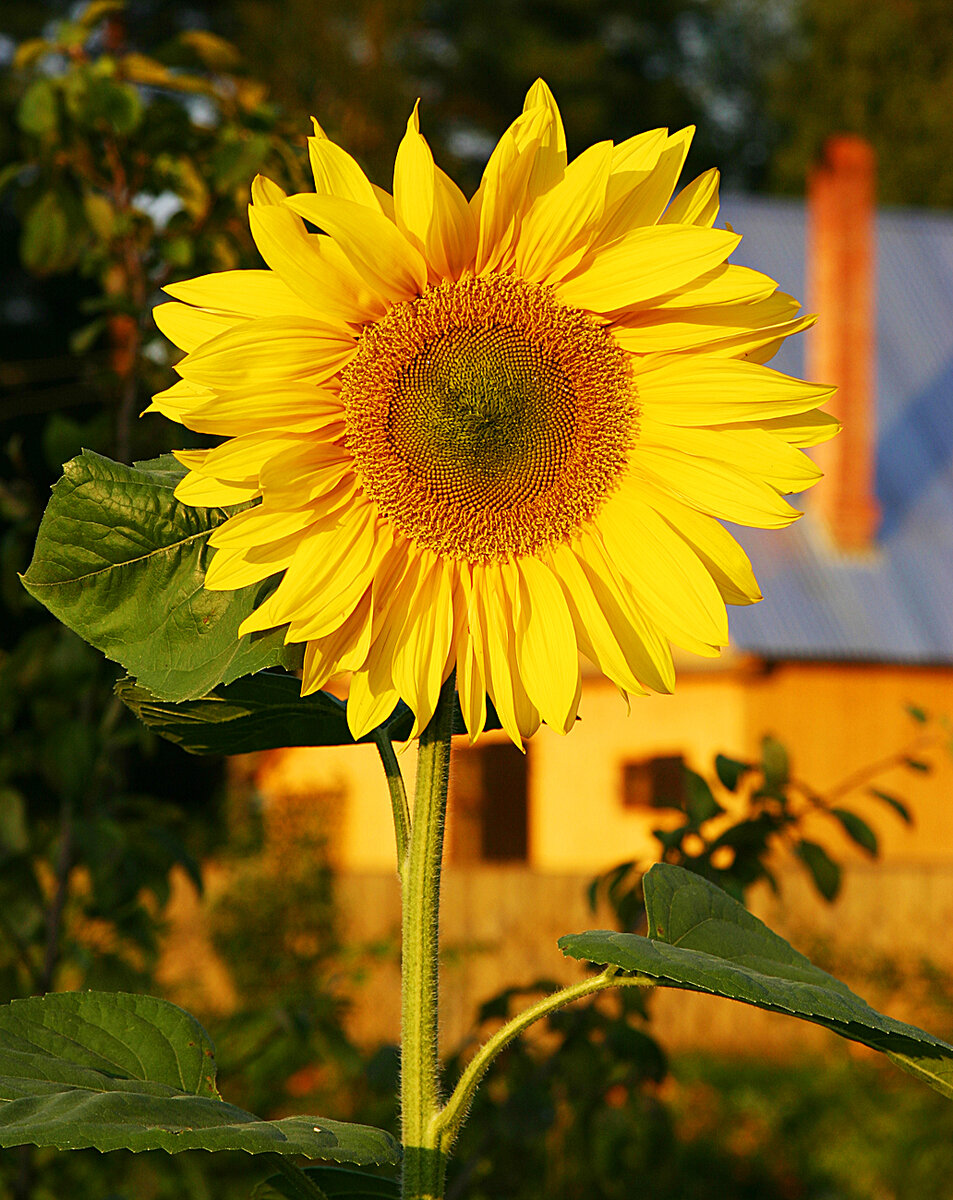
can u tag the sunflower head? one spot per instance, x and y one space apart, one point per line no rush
492 434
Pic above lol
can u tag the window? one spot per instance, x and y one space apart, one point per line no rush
654 782
489 812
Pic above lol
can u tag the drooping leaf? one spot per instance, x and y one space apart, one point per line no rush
857 830
898 806
700 803
262 712
115 1071
821 867
336 1183
731 771
774 763
122 563
700 939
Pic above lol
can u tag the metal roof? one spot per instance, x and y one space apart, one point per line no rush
895 602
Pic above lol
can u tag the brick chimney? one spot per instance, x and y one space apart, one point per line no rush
842 346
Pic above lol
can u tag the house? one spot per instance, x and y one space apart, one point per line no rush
857 623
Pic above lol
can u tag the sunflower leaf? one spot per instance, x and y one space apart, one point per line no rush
262 712
122 563
702 940
114 1071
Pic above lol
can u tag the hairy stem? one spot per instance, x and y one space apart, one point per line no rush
424 1164
398 796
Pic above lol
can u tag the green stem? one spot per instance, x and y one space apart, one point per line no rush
453 1114
424 1164
398 796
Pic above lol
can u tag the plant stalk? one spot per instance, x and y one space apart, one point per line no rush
424 1165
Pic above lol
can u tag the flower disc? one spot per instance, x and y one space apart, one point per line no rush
486 419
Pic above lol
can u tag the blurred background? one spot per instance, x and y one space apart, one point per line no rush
808 771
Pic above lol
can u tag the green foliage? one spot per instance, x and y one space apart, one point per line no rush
701 939
111 1070
112 540
884 71
736 846
263 712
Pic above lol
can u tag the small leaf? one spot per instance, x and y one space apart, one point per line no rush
45 244
731 771
700 804
920 715
39 110
700 939
917 764
824 871
114 1071
857 830
897 805
774 762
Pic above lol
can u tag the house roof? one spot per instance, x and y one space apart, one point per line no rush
893 603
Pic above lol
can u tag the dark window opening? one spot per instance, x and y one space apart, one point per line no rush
654 782
490 806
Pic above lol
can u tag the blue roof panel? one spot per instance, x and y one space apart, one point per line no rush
893 603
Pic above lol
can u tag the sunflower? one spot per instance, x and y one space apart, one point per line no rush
489 435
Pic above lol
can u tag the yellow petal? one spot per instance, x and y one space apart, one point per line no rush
727 284
240 459
366 709
244 293
511 182
714 545
332 566
189 327
180 399
429 207
273 350
546 648
632 162
696 204
645 650
202 491
719 489
372 244
724 328
671 584
644 204
300 407
237 567
304 472
471 679
551 237
260 524
420 656
336 173
752 450
343 650
803 429
310 265
644 264
695 390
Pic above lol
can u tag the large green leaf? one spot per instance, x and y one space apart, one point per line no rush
115 1071
123 564
700 939
262 712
